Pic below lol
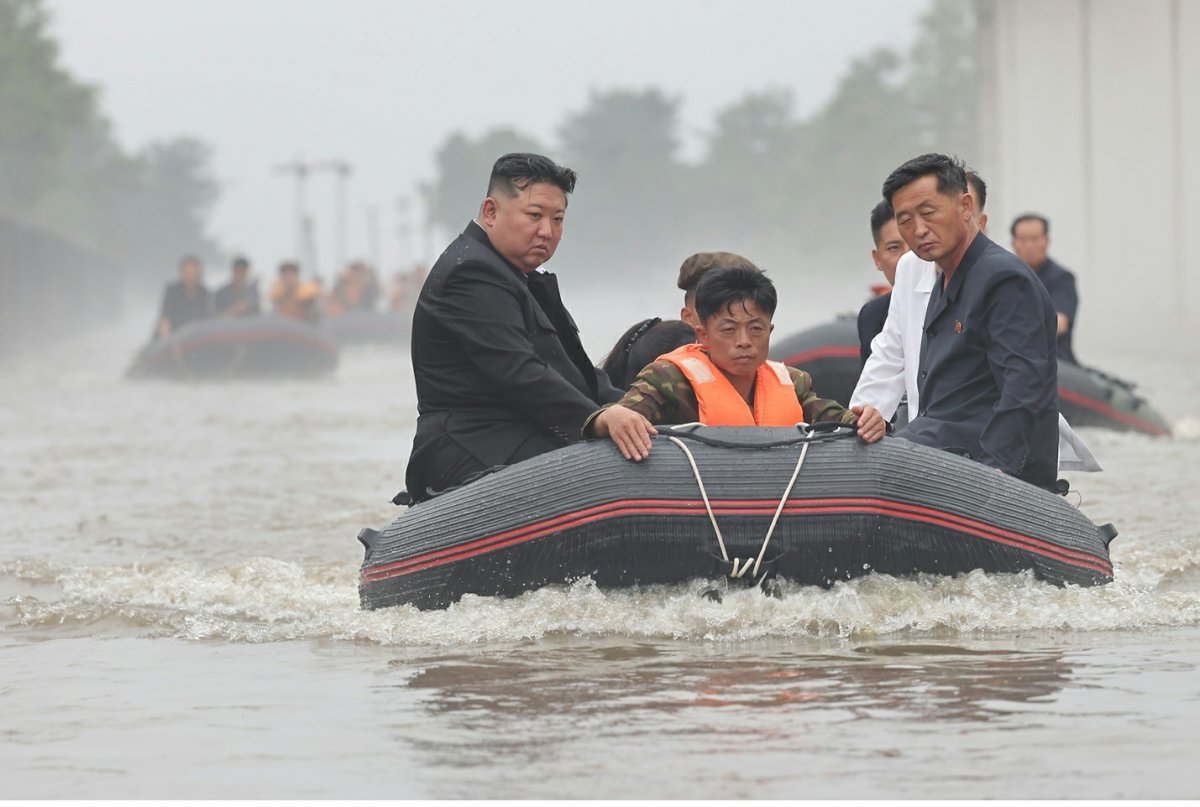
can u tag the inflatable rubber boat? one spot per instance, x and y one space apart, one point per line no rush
256 347
368 327
1086 396
749 504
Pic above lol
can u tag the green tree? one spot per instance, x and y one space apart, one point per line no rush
624 145
61 168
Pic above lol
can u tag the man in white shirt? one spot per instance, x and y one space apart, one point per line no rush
890 371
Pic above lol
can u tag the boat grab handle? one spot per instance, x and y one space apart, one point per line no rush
740 568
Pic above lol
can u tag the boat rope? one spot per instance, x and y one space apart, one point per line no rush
739 568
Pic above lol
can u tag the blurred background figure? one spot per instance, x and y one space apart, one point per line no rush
404 288
1030 241
238 297
294 298
186 300
356 289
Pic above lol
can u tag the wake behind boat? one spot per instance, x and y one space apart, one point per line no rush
750 503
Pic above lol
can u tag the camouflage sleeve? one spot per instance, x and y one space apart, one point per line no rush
818 409
660 393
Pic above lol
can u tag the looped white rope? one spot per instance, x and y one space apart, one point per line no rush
739 568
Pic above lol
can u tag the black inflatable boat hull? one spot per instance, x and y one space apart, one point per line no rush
1086 397
893 507
239 347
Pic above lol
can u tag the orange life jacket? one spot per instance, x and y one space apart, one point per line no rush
775 401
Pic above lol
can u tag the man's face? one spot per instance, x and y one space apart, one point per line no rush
190 273
1030 242
290 278
240 273
738 338
935 225
526 229
888 251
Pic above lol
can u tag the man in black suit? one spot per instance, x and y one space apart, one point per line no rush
1030 242
500 371
186 300
988 377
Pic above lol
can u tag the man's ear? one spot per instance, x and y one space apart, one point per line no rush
701 335
875 257
488 211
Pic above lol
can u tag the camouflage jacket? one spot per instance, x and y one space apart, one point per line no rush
662 393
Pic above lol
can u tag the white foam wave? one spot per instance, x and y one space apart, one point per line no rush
263 600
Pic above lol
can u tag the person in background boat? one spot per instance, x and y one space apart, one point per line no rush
356 289
1030 241
186 300
696 267
500 371
294 298
988 379
724 379
238 297
404 288
889 246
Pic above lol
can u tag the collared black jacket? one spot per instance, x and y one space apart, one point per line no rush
1061 285
497 359
870 322
988 375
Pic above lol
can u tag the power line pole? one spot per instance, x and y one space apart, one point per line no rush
341 170
304 248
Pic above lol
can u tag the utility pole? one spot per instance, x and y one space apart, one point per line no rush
304 248
341 170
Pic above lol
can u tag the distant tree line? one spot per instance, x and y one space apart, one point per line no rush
62 170
785 191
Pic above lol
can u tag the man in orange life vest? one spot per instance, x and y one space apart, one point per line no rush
725 378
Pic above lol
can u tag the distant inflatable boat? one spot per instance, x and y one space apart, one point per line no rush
746 503
368 327
1086 396
238 347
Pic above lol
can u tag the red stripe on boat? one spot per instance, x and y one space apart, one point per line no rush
695 508
1109 411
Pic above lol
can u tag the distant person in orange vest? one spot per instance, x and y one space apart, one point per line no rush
294 298
725 378
356 289
186 300
238 297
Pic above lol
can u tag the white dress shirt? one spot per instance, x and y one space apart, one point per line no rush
891 369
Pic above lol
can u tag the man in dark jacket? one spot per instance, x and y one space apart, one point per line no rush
500 371
186 300
1030 241
238 297
988 377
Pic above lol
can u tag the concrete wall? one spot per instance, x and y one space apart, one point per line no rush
51 287
1092 118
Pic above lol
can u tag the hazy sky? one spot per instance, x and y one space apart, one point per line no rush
381 83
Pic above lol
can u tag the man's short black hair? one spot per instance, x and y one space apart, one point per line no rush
289 266
1030 217
881 214
515 172
721 288
240 263
950 172
978 188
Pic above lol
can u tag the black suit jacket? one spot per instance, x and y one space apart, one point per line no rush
497 360
988 375
870 322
